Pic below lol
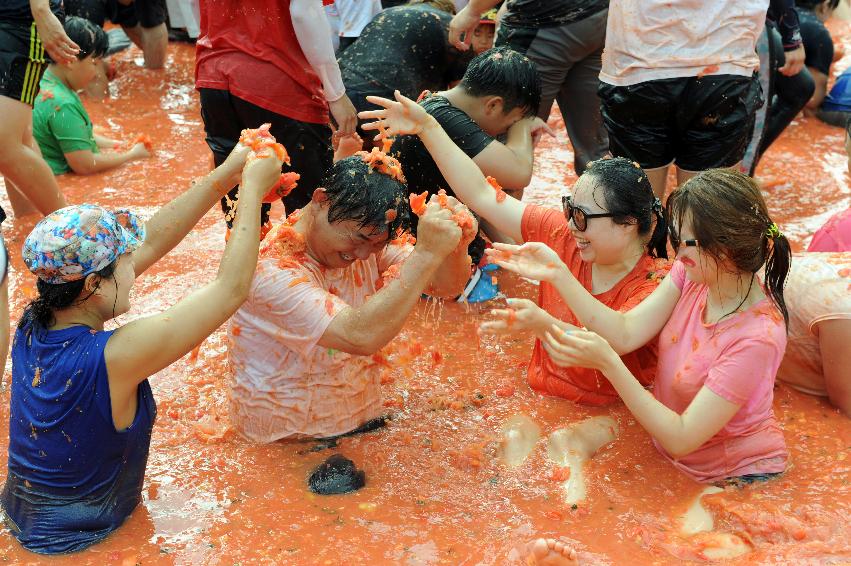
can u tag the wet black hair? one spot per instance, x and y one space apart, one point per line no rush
813 4
90 37
501 71
629 195
359 193
731 222
56 296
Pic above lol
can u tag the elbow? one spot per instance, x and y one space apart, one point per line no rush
83 169
364 345
679 447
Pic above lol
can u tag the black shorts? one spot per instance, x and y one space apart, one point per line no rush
147 13
696 122
308 145
22 61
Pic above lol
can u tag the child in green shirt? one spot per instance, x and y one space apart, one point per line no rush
61 125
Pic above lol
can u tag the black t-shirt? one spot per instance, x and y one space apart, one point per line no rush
818 44
405 48
18 11
418 166
550 13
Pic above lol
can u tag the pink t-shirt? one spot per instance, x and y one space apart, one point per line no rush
736 359
818 289
283 384
835 235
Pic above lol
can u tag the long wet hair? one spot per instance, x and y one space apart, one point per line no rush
629 195
731 224
39 314
359 193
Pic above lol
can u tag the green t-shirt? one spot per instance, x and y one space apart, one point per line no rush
60 123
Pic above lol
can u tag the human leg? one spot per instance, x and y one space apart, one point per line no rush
833 117
519 436
577 98
791 94
640 122
574 445
23 166
144 23
715 117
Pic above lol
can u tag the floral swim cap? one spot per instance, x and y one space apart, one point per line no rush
78 240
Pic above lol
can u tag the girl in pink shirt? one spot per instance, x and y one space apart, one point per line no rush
722 333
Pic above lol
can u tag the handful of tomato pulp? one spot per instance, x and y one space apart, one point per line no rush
259 139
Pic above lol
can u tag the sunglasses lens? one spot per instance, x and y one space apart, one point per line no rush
579 219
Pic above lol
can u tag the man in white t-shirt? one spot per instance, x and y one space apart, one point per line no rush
332 288
678 85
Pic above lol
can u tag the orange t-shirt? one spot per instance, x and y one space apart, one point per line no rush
583 385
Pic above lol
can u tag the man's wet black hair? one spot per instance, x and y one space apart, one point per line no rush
359 193
90 37
501 71
628 194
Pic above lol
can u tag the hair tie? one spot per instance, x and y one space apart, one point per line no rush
773 231
657 205
383 163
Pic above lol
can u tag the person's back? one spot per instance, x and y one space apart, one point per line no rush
239 51
681 38
60 405
403 48
819 300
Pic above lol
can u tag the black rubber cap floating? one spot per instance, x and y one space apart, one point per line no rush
337 474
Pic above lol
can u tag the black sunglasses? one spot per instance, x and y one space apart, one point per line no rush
579 216
676 243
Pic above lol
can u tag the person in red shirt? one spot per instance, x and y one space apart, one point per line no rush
260 61
611 234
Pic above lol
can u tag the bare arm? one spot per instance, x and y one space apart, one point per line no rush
365 329
404 116
820 92
56 42
625 331
145 346
173 221
510 163
834 338
86 162
104 142
679 434
465 22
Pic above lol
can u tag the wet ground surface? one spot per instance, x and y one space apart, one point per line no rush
435 491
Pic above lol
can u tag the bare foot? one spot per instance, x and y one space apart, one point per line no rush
574 445
550 552
697 519
519 436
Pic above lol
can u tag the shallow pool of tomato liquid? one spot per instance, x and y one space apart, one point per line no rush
436 492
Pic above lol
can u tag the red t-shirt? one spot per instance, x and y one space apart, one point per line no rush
583 385
249 48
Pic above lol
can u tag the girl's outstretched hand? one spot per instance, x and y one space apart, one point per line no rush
577 348
400 117
520 315
533 260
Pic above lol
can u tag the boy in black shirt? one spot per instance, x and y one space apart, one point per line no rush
498 96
